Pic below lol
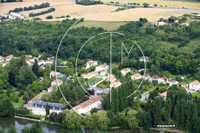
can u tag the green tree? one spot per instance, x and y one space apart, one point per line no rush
47 109
12 129
35 68
131 119
26 129
93 110
6 107
34 52
72 121
167 110
26 76
147 120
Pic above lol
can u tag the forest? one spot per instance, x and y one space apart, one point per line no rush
165 45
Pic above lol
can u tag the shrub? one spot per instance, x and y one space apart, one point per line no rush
49 17
42 12
22 110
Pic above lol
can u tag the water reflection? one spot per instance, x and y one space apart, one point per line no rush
19 124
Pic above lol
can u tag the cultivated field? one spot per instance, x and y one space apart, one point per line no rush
107 25
100 12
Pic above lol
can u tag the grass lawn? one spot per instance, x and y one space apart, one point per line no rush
20 103
196 94
110 26
103 85
149 89
94 80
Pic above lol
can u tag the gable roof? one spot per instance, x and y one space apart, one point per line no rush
182 84
137 75
196 82
92 61
54 73
111 78
146 75
145 57
87 103
89 74
164 94
126 69
155 77
164 78
115 83
57 80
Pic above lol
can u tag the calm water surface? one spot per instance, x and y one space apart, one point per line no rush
19 124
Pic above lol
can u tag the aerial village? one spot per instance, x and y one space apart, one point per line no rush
101 81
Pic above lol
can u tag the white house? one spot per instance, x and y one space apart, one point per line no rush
56 82
111 79
186 24
102 73
90 75
154 77
9 57
136 76
183 77
40 62
101 68
184 85
146 76
91 63
115 84
172 82
86 106
13 15
4 63
48 62
164 95
125 71
163 80
195 85
145 59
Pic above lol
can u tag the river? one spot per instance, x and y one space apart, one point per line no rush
19 124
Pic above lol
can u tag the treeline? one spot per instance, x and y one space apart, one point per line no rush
11 1
42 12
43 5
160 43
87 2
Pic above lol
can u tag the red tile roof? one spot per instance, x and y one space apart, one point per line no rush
137 75
87 103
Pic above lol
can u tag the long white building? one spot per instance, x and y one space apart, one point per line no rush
86 106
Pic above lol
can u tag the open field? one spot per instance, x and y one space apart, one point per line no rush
110 26
101 12
170 3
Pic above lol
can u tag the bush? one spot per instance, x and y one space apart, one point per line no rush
22 110
42 12
31 116
49 17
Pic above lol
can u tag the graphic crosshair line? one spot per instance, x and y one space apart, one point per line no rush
110 88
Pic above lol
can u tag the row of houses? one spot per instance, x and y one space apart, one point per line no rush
195 85
91 63
161 23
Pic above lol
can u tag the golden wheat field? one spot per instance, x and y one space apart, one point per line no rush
100 12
